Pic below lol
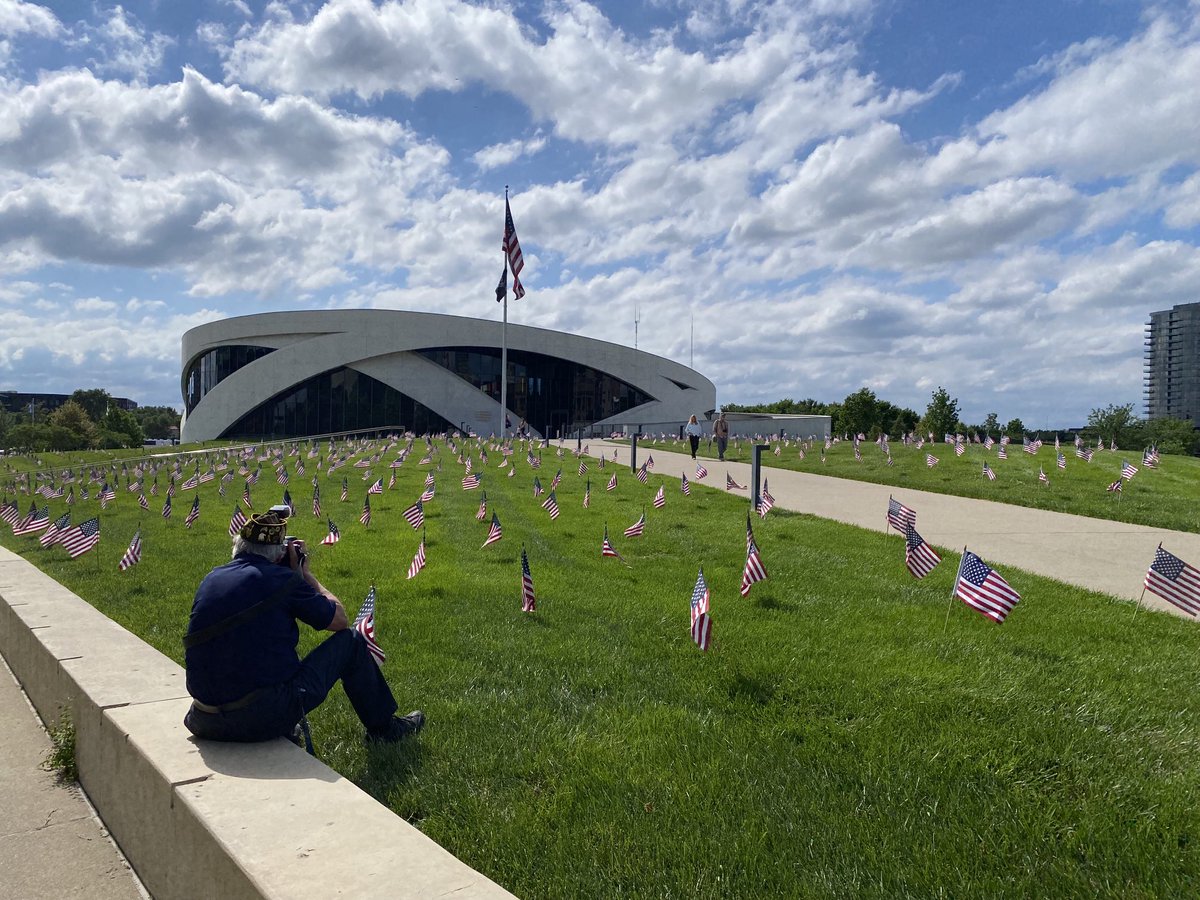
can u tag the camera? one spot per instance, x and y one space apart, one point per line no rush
300 554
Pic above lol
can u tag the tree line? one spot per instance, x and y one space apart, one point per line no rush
864 413
89 420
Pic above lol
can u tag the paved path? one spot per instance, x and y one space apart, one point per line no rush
1106 556
51 845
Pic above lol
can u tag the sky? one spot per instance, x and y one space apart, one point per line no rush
798 198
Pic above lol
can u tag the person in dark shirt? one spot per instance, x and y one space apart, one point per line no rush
245 678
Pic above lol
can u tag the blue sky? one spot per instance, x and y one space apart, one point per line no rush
900 194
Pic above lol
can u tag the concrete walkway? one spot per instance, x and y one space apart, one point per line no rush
51 844
1106 556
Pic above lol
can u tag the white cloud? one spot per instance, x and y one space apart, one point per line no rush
121 45
18 17
502 154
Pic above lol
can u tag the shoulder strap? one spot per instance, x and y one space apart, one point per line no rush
205 635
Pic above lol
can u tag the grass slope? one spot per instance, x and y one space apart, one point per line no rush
840 739
1165 497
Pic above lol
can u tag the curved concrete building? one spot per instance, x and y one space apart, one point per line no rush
290 374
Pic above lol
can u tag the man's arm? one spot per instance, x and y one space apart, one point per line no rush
340 621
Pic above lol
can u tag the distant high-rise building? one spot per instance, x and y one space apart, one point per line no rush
1172 364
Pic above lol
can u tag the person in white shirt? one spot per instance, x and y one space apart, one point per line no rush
692 430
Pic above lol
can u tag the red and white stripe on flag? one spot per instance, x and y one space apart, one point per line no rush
702 631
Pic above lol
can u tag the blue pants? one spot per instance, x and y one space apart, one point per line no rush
275 713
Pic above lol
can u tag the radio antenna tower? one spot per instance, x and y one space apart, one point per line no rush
637 315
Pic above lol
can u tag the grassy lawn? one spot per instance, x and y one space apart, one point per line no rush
1167 497
841 738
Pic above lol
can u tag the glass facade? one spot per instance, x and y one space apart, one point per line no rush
338 400
213 367
551 394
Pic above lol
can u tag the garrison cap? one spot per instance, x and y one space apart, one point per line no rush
264 528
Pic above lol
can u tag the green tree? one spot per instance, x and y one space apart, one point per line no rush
74 418
1114 423
122 423
1015 429
860 412
163 421
1172 436
991 425
941 416
95 401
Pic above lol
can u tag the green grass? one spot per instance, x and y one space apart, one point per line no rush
840 739
1166 497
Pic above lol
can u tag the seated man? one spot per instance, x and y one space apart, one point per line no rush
245 677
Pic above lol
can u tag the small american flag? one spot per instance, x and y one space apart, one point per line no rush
316 506
418 562
551 505
415 515
959 449
194 513
1150 458
918 555
364 624
392 480
1128 469
54 533
660 499
538 490
765 501
512 249
701 472
82 538
587 494
166 510
684 485
481 513
607 549
282 476
702 631
983 589
133 554
494 532
731 485
930 460
754 570
1116 486
612 483
1062 461
246 496
700 597
557 478
334 535
1042 477
582 467
376 488
365 518
635 530
470 482
345 492
1002 453
900 516
1175 581
642 474
989 472
287 501
528 599
236 521
1083 453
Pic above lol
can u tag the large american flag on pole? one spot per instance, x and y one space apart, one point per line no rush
512 249
1175 581
983 589
364 624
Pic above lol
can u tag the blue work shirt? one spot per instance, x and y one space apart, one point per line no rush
259 652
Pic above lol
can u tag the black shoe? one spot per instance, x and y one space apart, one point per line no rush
399 728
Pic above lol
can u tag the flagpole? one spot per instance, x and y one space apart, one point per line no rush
1138 604
954 590
504 352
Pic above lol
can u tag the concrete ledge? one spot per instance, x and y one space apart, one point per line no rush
195 818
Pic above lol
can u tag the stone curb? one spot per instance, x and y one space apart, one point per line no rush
199 819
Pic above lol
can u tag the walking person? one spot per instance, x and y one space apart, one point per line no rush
692 430
721 433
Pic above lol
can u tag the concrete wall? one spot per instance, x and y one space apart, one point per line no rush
378 343
198 819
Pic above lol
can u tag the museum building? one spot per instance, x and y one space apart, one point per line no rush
292 374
